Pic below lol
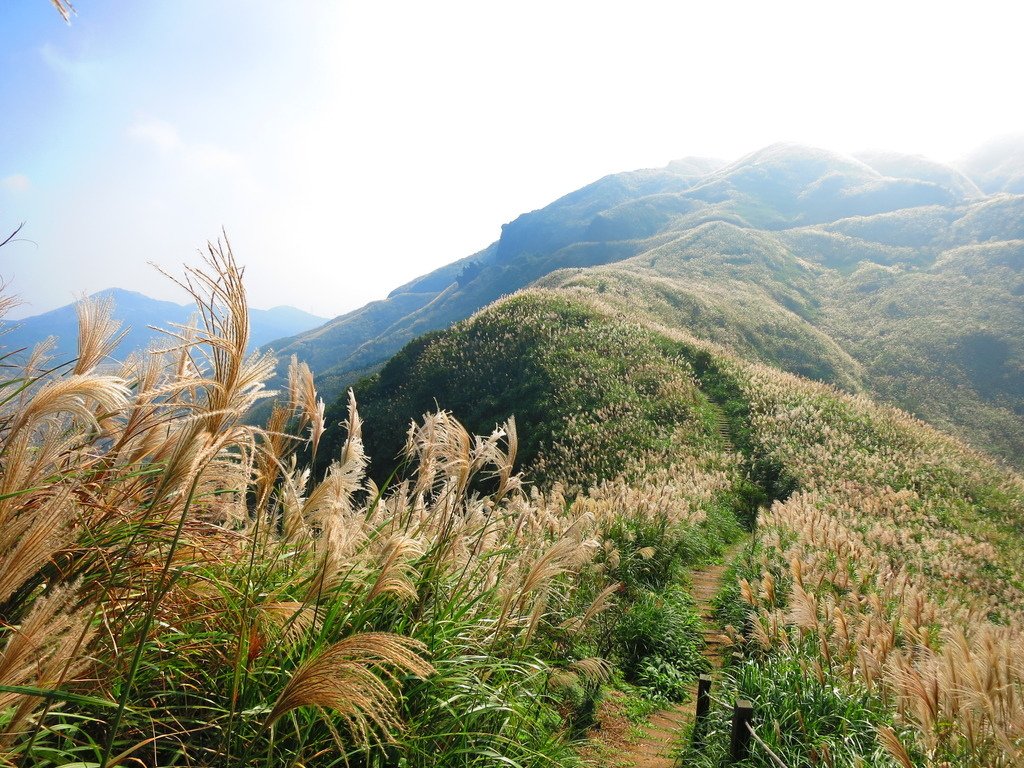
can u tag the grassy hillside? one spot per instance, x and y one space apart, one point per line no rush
920 308
735 286
878 615
901 166
533 245
593 398
177 590
601 394
887 274
874 505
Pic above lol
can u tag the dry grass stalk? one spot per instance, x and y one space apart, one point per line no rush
64 8
43 652
304 401
347 679
593 669
97 334
31 540
396 575
600 604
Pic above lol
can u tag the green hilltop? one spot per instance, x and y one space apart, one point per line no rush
601 395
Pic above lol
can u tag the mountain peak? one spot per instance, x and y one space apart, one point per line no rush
998 165
903 166
139 314
694 166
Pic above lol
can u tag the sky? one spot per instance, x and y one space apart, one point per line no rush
346 148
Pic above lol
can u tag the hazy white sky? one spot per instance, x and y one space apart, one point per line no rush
349 147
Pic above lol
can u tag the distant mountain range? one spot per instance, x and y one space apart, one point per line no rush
139 315
887 274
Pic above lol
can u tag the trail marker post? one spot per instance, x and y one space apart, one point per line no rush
703 706
739 748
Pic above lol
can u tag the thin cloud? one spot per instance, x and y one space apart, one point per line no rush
207 157
166 139
157 133
16 182
79 71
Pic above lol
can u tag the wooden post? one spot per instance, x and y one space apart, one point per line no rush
703 706
703 696
741 717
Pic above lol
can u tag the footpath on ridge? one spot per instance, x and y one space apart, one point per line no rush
660 736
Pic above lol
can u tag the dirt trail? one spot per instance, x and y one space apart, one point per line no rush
655 747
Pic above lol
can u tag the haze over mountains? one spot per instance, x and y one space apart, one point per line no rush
139 315
884 273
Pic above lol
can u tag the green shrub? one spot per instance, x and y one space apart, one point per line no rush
654 553
664 679
659 640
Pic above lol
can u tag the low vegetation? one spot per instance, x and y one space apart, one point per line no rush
879 612
178 589
885 542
